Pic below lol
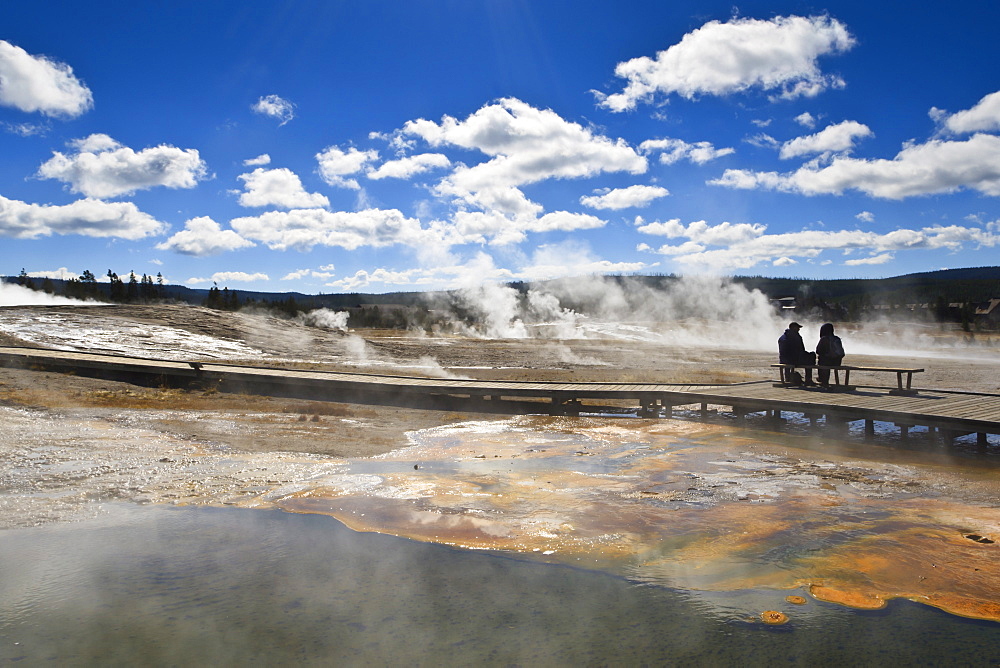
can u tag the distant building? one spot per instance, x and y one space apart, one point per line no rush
988 312
784 303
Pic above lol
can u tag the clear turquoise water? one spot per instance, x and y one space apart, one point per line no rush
156 585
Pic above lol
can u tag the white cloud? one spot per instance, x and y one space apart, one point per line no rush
837 138
103 168
723 58
335 164
762 140
230 276
275 107
86 217
302 229
526 145
259 161
784 262
874 259
984 117
325 273
203 236
805 119
674 150
278 187
363 278
625 198
404 168
571 259
499 229
62 274
728 247
920 169
38 84
865 216
26 129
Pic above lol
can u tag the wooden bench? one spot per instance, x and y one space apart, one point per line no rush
786 379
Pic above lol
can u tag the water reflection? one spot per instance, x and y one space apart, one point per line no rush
155 585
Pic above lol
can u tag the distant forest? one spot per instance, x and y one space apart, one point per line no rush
951 295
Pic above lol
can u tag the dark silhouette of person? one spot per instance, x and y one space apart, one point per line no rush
829 352
792 350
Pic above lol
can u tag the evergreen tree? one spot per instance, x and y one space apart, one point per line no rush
24 280
132 290
116 292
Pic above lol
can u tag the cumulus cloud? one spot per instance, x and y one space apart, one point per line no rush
571 258
275 107
729 247
921 169
865 216
278 187
38 84
324 273
805 119
723 58
363 278
404 168
230 276
498 229
302 229
101 167
62 274
625 198
259 161
86 217
984 117
525 145
203 236
335 164
837 138
674 150
881 258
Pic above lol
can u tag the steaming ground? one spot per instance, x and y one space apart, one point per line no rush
689 350
67 441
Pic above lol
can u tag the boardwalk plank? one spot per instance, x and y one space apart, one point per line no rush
960 410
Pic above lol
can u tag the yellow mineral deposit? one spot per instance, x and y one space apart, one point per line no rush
774 617
686 506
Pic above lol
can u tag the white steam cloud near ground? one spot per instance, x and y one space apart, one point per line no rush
702 312
18 295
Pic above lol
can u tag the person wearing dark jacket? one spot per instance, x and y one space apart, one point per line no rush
829 351
792 350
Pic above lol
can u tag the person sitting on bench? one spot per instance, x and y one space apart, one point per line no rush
829 352
792 350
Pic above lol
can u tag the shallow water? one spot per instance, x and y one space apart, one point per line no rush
156 585
528 540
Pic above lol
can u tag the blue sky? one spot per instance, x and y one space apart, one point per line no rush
378 146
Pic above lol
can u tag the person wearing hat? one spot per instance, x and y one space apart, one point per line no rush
792 350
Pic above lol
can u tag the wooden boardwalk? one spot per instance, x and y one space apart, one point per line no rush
951 413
